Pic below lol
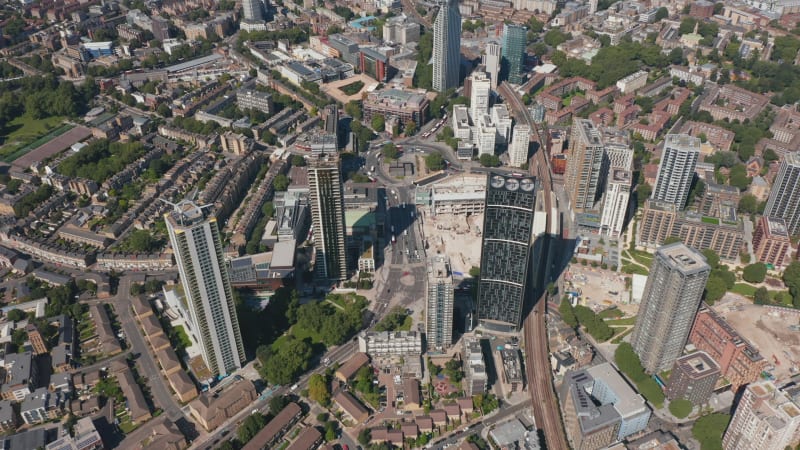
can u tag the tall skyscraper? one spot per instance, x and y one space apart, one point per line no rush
671 298
784 199
480 95
585 164
515 39
327 216
520 142
439 311
766 418
615 206
331 120
446 46
506 251
492 62
197 245
676 169
253 10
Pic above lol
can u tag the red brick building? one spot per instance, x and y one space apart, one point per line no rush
771 241
739 362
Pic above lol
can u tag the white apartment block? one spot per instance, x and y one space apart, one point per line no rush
502 122
485 135
766 418
615 208
520 142
480 94
390 343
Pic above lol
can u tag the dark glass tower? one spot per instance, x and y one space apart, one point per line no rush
505 251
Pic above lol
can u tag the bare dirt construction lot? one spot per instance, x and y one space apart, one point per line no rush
333 90
456 236
767 329
600 289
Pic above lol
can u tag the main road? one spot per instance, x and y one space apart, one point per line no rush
545 404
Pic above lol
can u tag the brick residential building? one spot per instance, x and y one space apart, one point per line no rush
739 362
771 241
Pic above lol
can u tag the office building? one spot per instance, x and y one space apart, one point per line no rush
520 142
197 245
771 242
515 39
485 135
739 362
253 10
390 343
676 169
400 30
327 216
505 251
253 99
502 122
615 206
491 60
766 418
600 408
397 104
480 95
446 46
584 165
784 199
671 297
439 310
693 378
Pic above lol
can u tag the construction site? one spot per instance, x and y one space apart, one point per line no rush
452 218
772 330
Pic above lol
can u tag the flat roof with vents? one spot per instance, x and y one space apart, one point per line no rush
684 258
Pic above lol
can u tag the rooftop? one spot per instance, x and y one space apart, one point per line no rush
683 258
628 401
698 364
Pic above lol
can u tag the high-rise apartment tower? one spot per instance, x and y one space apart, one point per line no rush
446 46
784 199
585 164
492 62
480 95
766 418
676 169
197 245
671 298
327 215
520 142
439 310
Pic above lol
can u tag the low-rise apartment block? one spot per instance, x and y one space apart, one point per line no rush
739 362
693 378
211 409
390 343
397 104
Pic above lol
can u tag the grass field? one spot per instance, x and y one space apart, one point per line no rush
24 130
619 337
621 322
744 289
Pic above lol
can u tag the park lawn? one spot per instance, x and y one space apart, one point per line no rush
744 289
24 130
183 338
619 337
642 257
610 313
406 326
303 333
634 269
708 430
622 322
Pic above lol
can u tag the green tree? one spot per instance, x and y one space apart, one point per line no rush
715 289
277 403
364 436
661 14
709 429
755 273
680 408
761 296
738 177
298 161
281 182
410 127
390 151
567 313
488 160
250 427
15 315
353 109
791 277
434 161
711 258
748 204
318 390
378 123
285 363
